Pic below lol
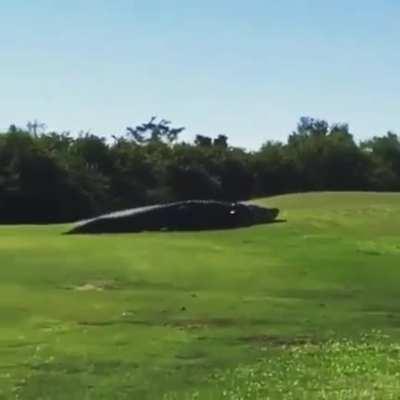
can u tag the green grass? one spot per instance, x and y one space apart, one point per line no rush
207 315
366 368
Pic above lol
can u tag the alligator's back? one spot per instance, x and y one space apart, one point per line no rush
186 215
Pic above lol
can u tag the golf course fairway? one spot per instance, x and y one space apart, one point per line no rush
305 308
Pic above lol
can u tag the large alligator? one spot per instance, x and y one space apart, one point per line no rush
190 215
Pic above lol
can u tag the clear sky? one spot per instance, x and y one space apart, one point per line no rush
247 69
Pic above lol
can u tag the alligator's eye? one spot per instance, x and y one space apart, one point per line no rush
232 212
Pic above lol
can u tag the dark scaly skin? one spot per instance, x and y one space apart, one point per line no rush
192 215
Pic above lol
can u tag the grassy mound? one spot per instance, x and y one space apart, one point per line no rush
153 315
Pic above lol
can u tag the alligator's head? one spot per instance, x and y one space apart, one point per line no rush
262 214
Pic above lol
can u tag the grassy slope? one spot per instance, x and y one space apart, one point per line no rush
133 316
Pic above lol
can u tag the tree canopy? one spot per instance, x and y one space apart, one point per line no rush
54 177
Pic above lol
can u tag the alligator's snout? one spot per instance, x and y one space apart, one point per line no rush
262 215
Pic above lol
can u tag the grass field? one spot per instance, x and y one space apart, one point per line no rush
303 309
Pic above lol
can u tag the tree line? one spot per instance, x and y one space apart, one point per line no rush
55 177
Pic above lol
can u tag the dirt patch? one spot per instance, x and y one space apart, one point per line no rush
124 321
97 286
202 323
322 294
88 287
100 285
97 323
19 345
183 324
190 357
278 341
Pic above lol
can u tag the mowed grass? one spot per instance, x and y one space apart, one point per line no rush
273 311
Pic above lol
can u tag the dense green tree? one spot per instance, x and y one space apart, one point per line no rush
384 153
54 177
221 141
204 141
154 131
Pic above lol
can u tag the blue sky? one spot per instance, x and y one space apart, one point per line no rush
247 69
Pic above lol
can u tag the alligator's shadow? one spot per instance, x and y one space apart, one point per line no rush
276 221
